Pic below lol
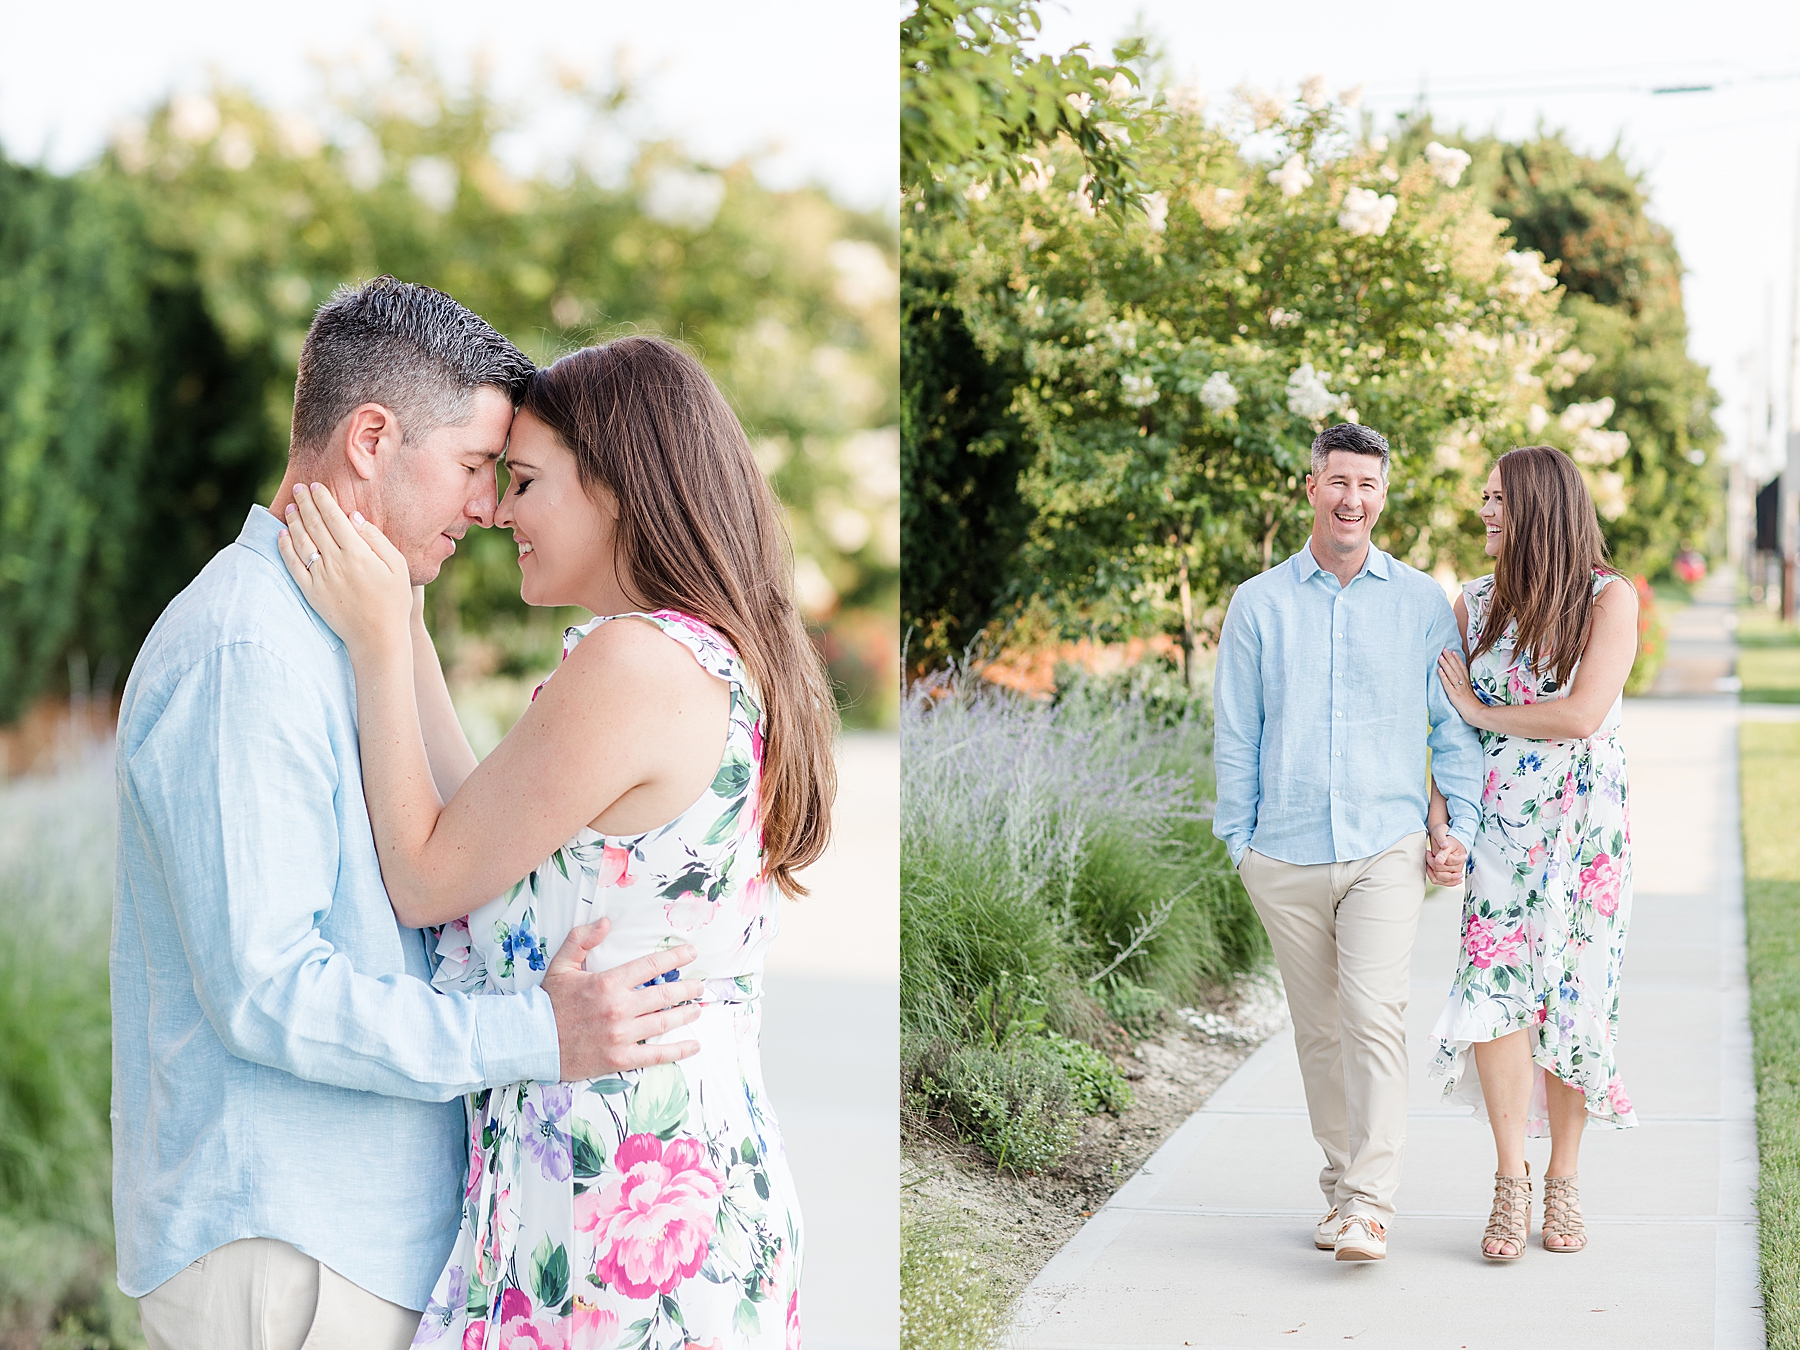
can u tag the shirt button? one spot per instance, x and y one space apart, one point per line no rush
1337 714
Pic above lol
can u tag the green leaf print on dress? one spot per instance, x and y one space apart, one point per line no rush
1548 898
651 1209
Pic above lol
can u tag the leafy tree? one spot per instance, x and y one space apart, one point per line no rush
1622 276
979 112
961 455
1173 370
975 107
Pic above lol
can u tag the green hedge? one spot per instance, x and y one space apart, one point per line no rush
130 443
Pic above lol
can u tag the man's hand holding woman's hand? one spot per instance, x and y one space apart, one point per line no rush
357 581
1445 857
603 1017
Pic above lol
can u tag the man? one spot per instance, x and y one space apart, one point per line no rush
289 1148
1326 688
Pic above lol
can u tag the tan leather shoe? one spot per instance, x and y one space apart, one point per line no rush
1360 1238
1325 1234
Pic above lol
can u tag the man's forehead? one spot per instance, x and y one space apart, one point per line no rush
1349 464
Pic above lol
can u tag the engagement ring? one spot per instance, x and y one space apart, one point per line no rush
312 558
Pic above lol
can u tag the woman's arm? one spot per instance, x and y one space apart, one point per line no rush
446 745
628 709
1605 665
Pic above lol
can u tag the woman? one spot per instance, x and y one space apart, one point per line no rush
671 777
1550 636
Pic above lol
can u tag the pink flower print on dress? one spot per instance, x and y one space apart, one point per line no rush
475 1336
689 911
592 1327
1485 946
651 1225
793 1321
1600 881
615 866
1617 1097
1534 856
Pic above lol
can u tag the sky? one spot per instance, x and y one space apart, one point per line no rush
1722 167
811 84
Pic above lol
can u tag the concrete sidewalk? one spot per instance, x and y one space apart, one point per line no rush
831 1056
1210 1244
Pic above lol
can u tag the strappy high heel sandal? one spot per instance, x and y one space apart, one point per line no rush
1510 1219
1562 1215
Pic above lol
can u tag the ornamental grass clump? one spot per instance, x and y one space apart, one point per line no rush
1053 854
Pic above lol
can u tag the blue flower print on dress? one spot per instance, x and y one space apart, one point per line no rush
544 1136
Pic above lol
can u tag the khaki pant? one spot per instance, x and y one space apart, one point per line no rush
260 1294
1343 937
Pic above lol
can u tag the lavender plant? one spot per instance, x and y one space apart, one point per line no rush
1066 844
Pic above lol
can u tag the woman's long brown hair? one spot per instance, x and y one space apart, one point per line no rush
1550 549
699 532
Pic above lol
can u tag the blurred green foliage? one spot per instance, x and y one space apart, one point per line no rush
131 441
155 306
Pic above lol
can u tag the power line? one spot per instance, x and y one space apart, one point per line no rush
1438 92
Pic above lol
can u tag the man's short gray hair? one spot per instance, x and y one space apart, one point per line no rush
1358 440
413 350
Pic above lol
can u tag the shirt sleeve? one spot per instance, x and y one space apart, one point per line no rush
232 793
1455 748
1237 730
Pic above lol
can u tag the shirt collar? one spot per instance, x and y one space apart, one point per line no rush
1376 564
258 535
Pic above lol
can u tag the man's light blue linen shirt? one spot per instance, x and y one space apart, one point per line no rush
282 1067
1321 701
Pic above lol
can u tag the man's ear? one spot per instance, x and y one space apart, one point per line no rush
371 433
1311 483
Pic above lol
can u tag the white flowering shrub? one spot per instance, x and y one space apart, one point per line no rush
1137 391
1218 394
1367 212
1292 177
1307 396
1528 276
1283 273
1447 162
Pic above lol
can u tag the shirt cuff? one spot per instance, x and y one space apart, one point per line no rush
515 1038
1464 830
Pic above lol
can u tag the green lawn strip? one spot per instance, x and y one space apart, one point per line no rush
1770 779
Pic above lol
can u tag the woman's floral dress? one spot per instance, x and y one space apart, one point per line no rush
1549 896
648 1210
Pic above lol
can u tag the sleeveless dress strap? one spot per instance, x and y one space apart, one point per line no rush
1476 595
714 654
